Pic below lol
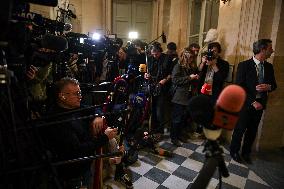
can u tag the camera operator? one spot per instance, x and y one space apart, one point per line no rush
78 138
106 69
158 77
213 71
122 60
46 67
135 54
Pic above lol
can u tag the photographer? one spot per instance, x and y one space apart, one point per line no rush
135 54
122 61
106 69
213 71
46 67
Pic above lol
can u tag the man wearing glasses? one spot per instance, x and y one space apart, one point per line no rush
76 138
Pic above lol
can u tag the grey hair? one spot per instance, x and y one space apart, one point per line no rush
260 44
65 81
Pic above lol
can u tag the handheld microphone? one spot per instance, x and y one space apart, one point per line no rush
206 89
142 68
223 115
164 37
228 106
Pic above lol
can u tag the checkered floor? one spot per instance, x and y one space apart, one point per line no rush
180 171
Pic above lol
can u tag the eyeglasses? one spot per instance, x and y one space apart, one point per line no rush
78 93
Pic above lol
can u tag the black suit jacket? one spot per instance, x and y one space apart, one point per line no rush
247 78
160 69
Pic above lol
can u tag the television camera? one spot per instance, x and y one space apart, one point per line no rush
88 47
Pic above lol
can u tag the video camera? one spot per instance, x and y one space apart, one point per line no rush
131 49
210 55
88 47
40 25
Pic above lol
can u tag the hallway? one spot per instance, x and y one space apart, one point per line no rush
178 172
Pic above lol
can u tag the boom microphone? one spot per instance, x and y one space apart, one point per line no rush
164 38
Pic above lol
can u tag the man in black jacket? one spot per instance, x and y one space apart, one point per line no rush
159 76
76 138
256 76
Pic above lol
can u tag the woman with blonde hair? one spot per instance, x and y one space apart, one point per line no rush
184 78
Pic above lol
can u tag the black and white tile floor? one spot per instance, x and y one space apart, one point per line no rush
179 172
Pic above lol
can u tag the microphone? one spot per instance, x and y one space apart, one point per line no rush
223 115
142 68
213 118
228 106
164 37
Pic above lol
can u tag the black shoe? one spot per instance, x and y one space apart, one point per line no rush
236 157
183 139
125 180
247 158
176 142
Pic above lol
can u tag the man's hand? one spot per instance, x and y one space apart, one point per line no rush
121 148
115 160
257 105
203 62
163 81
263 87
97 125
111 133
147 76
31 73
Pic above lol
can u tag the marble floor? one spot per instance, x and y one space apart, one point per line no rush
152 171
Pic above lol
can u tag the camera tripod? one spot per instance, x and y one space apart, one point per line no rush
214 159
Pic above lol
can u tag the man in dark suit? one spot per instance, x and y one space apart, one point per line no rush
256 76
159 76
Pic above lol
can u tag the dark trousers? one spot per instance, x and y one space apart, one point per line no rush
158 113
179 120
247 126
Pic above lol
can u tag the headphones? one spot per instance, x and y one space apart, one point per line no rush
63 97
